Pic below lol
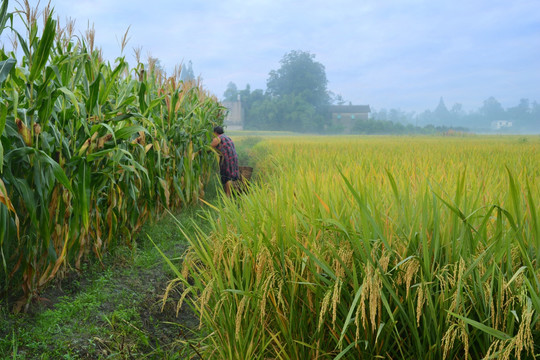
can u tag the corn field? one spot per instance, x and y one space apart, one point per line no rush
89 150
375 247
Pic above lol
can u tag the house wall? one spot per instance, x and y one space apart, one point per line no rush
501 124
235 116
347 120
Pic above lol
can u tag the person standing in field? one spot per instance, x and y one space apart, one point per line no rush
228 160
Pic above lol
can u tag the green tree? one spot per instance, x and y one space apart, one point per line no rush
534 119
300 75
521 115
249 98
264 115
441 113
231 93
492 110
298 91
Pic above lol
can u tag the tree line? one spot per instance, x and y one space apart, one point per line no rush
524 117
297 99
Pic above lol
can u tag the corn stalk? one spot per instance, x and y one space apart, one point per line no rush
89 151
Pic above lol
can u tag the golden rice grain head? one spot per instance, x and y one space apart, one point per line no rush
419 303
448 276
204 298
290 264
273 240
384 261
357 317
364 294
240 313
493 349
448 339
524 338
219 249
337 268
465 340
410 272
260 265
347 255
181 301
515 254
375 297
509 347
186 265
324 308
267 287
335 299
169 287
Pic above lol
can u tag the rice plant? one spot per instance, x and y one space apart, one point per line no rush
376 247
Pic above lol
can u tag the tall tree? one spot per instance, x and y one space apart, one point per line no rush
300 75
231 93
298 91
492 110
441 113
520 113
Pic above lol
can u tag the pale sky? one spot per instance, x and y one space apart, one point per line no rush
402 54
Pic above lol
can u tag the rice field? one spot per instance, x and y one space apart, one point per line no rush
374 247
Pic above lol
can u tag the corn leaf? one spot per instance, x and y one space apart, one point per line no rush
5 68
41 56
71 97
126 132
3 115
4 15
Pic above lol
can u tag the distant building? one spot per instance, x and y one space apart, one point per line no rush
501 124
346 116
235 115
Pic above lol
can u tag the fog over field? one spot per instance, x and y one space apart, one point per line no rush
388 54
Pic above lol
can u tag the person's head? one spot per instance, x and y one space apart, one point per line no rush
218 130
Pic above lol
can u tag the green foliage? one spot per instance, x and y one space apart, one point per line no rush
231 94
300 75
296 98
287 113
88 152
